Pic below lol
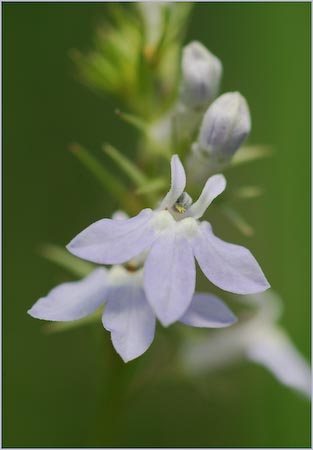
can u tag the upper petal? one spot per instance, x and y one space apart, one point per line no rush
130 319
178 183
73 300
213 187
115 241
169 276
228 266
208 311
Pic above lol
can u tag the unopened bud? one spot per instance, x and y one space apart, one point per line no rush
225 126
201 75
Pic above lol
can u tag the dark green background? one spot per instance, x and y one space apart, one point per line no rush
53 384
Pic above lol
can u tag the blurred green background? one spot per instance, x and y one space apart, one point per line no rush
55 385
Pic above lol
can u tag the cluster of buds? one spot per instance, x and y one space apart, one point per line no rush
224 122
134 52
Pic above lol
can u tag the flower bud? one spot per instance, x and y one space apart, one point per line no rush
201 75
225 126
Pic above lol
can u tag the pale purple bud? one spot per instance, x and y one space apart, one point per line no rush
201 75
225 126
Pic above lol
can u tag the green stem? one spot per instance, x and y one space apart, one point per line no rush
114 396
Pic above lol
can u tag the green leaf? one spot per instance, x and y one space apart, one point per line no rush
250 153
56 327
60 256
152 186
237 220
145 91
248 192
107 180
131 170
159 47
136 122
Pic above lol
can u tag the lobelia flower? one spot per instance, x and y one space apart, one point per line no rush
172 236
127 314
258 338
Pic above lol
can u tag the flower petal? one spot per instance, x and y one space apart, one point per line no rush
120 215
114 241
73 300
273 349
178 183
169 276
228 266
208 311
213 187
130 319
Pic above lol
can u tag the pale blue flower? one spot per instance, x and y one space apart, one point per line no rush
172 236
258 338
127 314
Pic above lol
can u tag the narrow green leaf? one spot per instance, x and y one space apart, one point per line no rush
107 180
136 122
153 186
56 327
248 192
250 153
60 256
237 220
145 84
159 47
131 170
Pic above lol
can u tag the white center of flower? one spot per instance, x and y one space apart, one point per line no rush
119 276
163 220
188 227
